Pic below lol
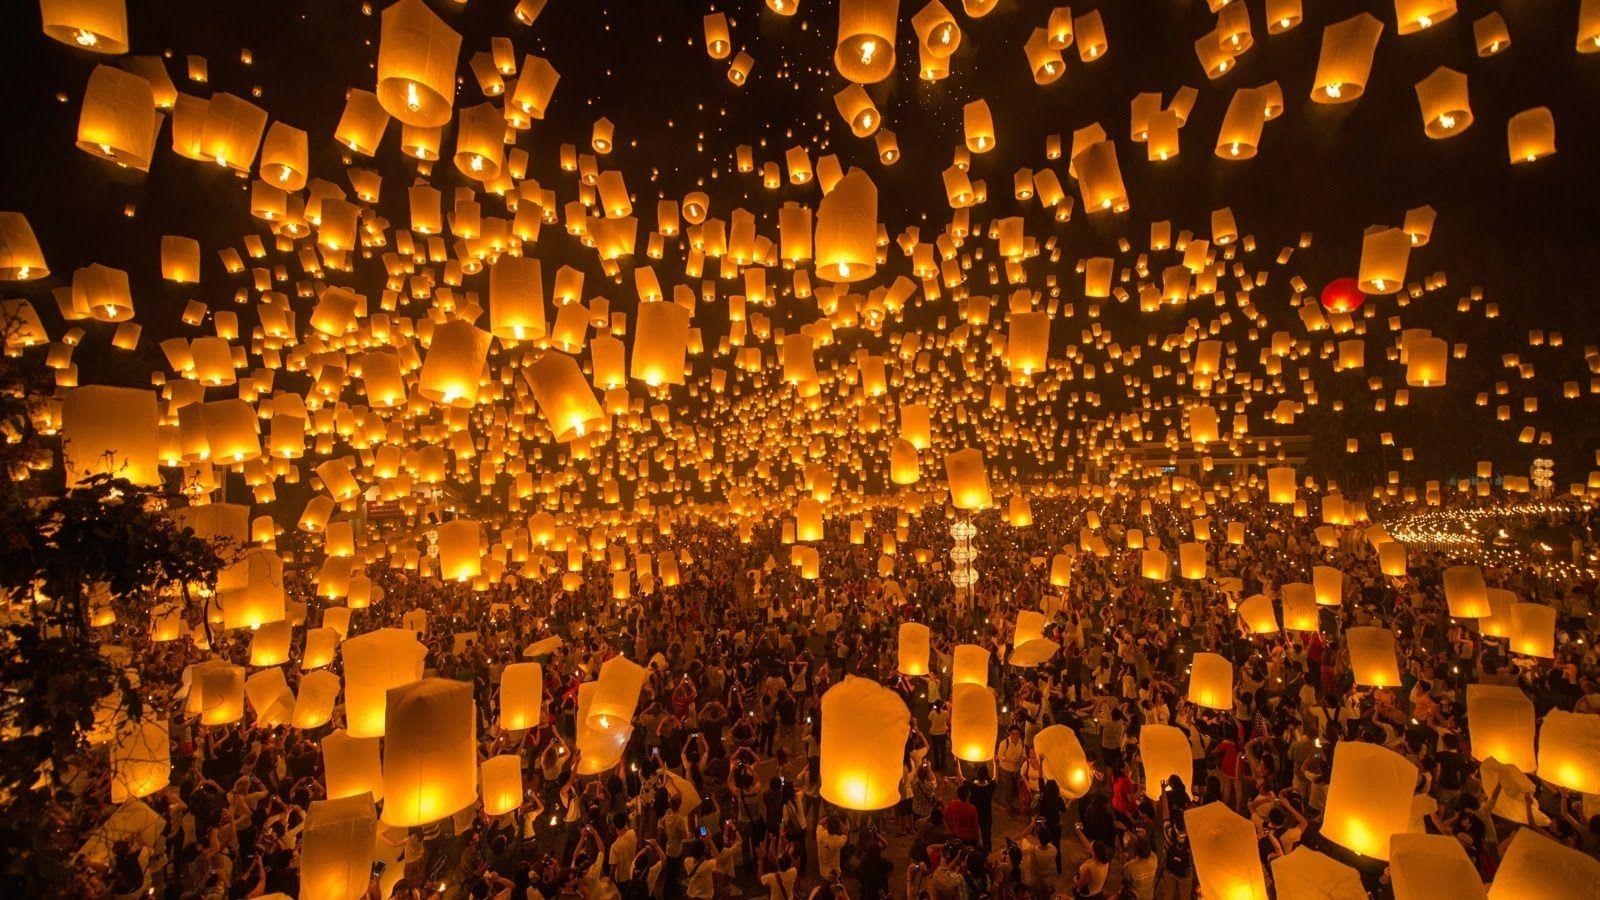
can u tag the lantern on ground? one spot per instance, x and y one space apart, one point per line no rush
970 665
1372 656
521 696
1062 760
352 766
1424 866
974 723
500 779
141 761
617 694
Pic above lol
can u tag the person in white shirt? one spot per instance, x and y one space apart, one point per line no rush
623 849
778 876
831 839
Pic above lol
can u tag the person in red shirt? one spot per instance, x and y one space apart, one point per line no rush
1227 752
961 817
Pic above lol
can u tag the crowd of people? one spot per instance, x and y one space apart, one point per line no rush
718 794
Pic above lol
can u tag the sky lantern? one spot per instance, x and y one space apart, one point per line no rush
500 780
1226 861
21 259
352 766
1443 98
1569 751
968 479
430 761
1500 719
1258 615
1342 295
336 848
118 119
1165 751
141 761
847 230
516 299
1427 360
417 56
978 126
98 26
1211 681
864 730
617 694
1531 135
974 723
110 429
864 53
1062 760
1372 656
454 364
1369 797
1466 593
374 662
718 42
1533 630
970 665
914 638
1413 16
1100 178
1533 865
1345 61
660 342
1327 585
857 110
1422 866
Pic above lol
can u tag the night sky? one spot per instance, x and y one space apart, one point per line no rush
1526 234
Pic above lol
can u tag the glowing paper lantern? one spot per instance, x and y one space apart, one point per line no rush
1258 615
516 299
1531 135
660 343
616 695
864 730
847 230
313 705
1412 16
454 364
1327 585
521 696
352 766
1536 866
913 648
1342 295
500 778
374 663
865 49
118 119
337 846
1305 874
601 750
99 26
141 761
1500 722
1280 485
1392 558
1165 752
110 430
970 665
1211 681
1569 751
974 723
1384 254
1466 593
1442 97
1423 866
1226 860
1369 797
430 759
1062 760
968 479
1192 560
1372 657
903 464
1345 60
1029 627
1154 565
564 396
1100 178
417 56
1533 630
219 692
460 558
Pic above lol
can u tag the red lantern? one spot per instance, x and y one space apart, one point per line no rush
1342 295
